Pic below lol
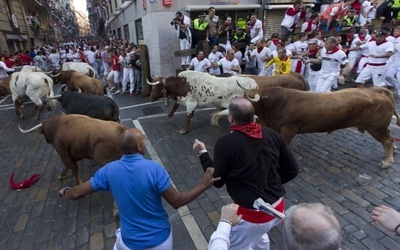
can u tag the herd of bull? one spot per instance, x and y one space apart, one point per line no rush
280 102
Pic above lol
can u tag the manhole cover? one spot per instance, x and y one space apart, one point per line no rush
152 111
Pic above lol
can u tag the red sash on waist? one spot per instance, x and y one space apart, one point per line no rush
256 216
377 64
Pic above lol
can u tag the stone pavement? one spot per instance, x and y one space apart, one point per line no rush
35 218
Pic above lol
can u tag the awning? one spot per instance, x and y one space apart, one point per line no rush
223 7
283 6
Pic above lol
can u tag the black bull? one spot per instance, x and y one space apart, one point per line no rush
99 107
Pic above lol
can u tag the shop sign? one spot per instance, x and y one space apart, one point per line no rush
144 4
167 3
223 2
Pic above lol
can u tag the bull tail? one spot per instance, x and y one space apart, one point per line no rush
52 102
31 129
303 80
391 98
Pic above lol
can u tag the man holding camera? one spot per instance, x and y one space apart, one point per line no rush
254 27
182 24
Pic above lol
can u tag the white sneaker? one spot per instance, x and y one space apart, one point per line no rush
118 91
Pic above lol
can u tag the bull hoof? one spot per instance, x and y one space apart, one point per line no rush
183 131
169 115
22 116
62 177
386 164
48 108
214 121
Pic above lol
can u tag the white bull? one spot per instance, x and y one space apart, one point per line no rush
193 89
28 68
81 67
33 85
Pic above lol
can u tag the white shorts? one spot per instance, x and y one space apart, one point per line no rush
376 72
113 75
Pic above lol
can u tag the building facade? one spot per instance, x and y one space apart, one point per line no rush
148 21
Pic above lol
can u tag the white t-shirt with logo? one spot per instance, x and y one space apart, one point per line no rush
331 62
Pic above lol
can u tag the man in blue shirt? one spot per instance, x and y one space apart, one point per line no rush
137 185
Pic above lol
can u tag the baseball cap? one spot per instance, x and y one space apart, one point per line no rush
239 28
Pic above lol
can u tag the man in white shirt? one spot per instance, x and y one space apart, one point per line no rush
263 55
255 28
292 17
301 47
238 54
54 59
331 58
200 63
229 63
3 70
214 57
182 25
379 53
249 56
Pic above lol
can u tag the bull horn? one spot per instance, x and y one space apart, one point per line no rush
53 97
79 90
241 86
255 99
55 75
30 130
48 73
152 83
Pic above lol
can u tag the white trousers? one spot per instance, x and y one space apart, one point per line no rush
392 77
361 64
125 78
312 79
376 72
185 44
247 235
119 244
325 81
353 58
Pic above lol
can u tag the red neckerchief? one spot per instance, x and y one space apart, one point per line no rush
25 183
252 24
310 23
228 59
396 36
275 41
362 38
259 50
313 51
252 129
335 49
198 59
377 44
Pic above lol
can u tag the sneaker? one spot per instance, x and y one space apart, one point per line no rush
118 91
122 93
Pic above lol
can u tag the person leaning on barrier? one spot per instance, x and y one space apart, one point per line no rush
311 226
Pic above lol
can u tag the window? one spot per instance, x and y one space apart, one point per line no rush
126 32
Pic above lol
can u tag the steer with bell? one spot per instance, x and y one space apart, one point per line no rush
193 89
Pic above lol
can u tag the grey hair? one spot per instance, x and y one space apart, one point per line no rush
302 234
331 39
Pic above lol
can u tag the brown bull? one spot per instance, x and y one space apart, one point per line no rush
290 81
77 137
292 112
74 80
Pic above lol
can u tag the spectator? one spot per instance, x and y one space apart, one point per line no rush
331 58
262 55
301 47
113 76
4 70
392 73
365 7
253 162
25 58
182 25
144 221
200 30
313 52
333 13
238 55
105 57
32 53
229 63
372 12
292 17
387 12
387 217
225 34
354 56
311 24
283 64
379 53
131 65
214 57
274 42
8 62
38 61
137 68
229 218
250 67
349 20
124 59
255 28
54 60
241 38
199 63
311 226
213 26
